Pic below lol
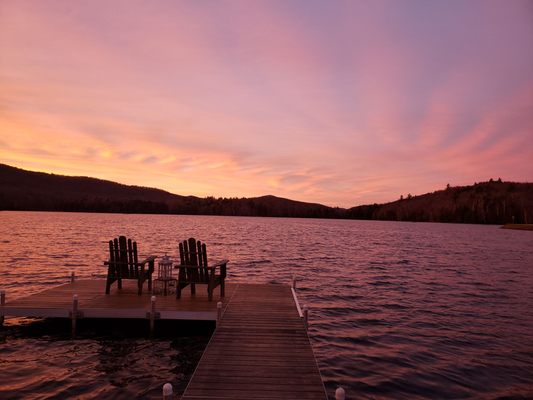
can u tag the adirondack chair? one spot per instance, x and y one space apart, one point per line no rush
124 264
194 269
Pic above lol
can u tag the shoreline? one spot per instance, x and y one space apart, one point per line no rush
520 227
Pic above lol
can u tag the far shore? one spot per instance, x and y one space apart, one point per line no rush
522 227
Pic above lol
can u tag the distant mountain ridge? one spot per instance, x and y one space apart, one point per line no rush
493 202
38 191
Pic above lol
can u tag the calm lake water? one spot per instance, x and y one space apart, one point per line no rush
398 310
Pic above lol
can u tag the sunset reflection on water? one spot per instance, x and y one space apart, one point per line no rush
398 310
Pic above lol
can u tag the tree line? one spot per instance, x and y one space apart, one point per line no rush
492 202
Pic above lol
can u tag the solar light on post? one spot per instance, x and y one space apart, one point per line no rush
340 394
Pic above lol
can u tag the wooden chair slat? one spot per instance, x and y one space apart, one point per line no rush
124 264
194 268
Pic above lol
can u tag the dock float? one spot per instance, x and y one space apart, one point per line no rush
259 350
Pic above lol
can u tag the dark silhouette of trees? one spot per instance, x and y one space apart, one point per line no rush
492 202
35 191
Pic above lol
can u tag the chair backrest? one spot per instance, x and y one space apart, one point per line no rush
123 257
193 252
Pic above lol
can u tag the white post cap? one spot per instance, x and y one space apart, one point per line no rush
167 389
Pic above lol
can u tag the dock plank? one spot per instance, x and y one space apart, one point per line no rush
260 350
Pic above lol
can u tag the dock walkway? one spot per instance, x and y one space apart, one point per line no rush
260 350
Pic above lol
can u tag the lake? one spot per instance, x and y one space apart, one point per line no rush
398 310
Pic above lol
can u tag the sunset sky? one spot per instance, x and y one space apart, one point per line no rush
336 102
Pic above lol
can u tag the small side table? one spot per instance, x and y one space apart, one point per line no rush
164 283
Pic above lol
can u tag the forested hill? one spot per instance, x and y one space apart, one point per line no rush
37 191
492 202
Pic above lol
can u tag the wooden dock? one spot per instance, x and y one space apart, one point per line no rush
260 350
57 302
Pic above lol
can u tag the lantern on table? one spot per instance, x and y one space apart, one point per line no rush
164 283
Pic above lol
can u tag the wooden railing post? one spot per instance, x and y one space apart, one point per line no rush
306 317
2 304
72 277
294 282
219 312
74 314
167 391
340 394
152 315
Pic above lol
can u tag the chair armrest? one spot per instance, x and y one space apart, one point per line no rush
222 265
147 259
211 266
218 264
178 266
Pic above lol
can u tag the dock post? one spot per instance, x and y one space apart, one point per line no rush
72 277
219 312
306 317
167 391
340 394
294 282
74 314
152 316
2 303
